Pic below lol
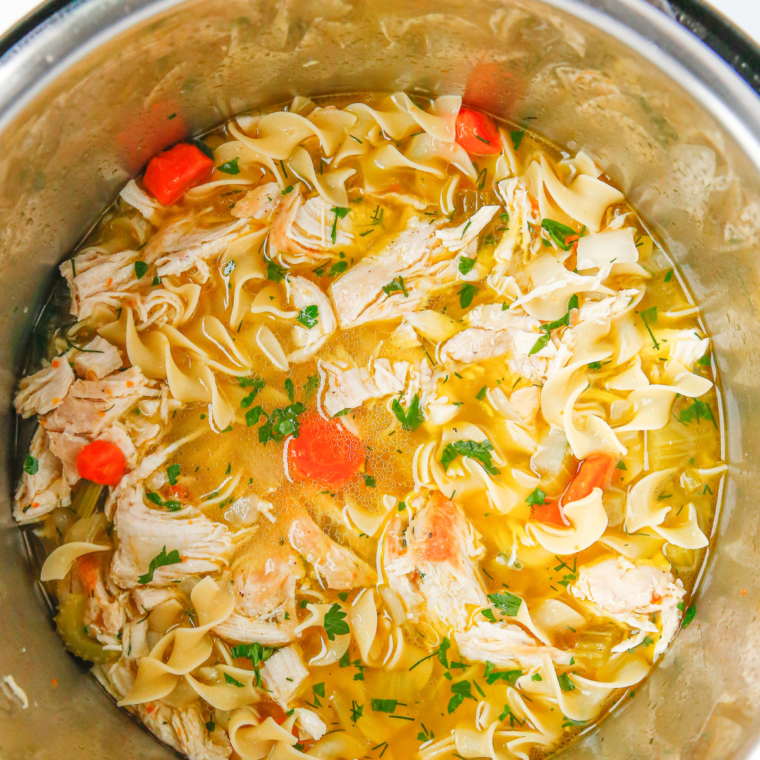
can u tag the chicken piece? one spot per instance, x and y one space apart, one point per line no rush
506 645
476 344
399 567
316 327
304 229
134 639
335 566
104 609
440 558
100 278
524 217
257 203
629 593
144 533
416 256
687 347
92 406
147 598
309 722
185 730
526 402
284 674
43 391
607 307
458 238
42 491
97 359
186 247
136 197
350 387
265 600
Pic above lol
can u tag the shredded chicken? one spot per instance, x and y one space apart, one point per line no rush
144 533
97 359
316 318
284 674
414 255
302 229
506 645
335 566
265 600
44 391
258 203
631 593
439 563
42 486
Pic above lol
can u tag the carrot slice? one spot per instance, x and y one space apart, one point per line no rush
549 512
172 173
477 133
594 472
101 462
326 452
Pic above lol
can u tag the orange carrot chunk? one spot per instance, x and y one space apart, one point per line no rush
594 472
101 462
172 173
477 133
326 452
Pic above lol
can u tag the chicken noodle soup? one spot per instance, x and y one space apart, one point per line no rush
370 429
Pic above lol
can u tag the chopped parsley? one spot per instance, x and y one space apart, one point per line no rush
31 465
384 705
649 316
561 234
140 269
478 451
290 389
565 683
689 615
256 653
396 285
335 622
309 316
275 273
536 498
466 293
412 418
461 690
466 264
281 423
172 472
481 394
160 560
311 385
517 138
508 604
232 682
698 411
230 167
340 213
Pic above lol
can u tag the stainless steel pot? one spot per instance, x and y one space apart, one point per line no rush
86 98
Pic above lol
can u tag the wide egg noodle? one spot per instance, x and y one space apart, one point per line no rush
187 648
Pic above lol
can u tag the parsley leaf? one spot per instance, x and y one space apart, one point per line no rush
232 682
311 385
160 560
281 423
698 411
466 293
689 615
481 394
508 604
466 264
275 273
384 705
252 415
565 683
537 497
140 269
517 137
478 451
412 418
31 465
540 343
492 675
559 233
172 471
337 268
290 389
462 690
335 622
308 316
230 167
394 286
256 653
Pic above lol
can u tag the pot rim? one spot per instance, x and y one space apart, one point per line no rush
61 32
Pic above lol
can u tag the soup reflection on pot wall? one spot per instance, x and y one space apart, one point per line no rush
87 101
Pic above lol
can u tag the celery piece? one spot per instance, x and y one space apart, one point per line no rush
70 624
86 497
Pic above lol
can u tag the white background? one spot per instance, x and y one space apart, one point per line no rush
744 13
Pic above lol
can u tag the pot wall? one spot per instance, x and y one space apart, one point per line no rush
87 101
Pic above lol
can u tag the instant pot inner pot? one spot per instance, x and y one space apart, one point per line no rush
115 73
